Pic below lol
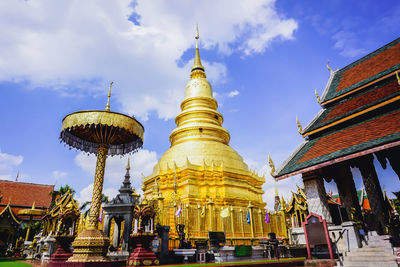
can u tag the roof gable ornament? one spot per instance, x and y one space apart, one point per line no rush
299 125
398 78
317 95
271 165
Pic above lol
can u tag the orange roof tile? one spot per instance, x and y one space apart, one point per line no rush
362 100
370 67
370 130
24 194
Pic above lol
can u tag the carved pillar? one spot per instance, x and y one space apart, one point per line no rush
393 156
127 230
373 189
316 195
341 174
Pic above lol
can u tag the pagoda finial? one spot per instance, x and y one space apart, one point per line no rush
197 69
108 98
271 164
299 125
33 205
128 166
276 190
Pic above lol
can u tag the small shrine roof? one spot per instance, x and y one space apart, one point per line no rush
22 195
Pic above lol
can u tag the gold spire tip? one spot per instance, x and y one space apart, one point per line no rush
197 36
197 62
108 98
128 166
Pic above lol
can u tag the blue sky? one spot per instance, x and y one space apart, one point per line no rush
263 58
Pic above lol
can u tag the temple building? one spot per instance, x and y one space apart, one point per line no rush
13 200
200 181
360 118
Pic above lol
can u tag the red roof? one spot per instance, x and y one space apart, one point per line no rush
363 100
367 131
370 67
24 194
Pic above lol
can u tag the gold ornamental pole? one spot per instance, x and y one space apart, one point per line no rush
98 186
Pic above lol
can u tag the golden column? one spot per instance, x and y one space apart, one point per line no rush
211 214
102 133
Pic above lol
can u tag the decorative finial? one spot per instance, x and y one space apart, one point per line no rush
17 176
317 95
108 98
327 66
398 78
197 36
271 164
197 69
276 190
128 166
33 205
299 125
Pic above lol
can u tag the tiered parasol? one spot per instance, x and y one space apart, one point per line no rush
102 133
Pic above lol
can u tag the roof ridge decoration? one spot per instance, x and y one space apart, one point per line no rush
8 208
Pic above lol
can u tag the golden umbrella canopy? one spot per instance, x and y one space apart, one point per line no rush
31 213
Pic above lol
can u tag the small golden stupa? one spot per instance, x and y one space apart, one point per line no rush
200 180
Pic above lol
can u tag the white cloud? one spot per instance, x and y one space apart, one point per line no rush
57 175
86 194
233 93
142 161
285 186
347 42
8 164
77 47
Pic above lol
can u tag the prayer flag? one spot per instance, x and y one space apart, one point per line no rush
225 212
248 216
266 217
179 211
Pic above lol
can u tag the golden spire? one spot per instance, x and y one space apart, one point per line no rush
276 190
128 166
197 69
108 98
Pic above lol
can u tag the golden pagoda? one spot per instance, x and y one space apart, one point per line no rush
200 181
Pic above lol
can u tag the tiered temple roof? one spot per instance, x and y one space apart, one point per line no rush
360 115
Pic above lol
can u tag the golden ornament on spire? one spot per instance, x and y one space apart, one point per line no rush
299 125
271 164
197 69
108 98
128 166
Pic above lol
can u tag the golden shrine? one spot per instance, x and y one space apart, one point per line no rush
202 182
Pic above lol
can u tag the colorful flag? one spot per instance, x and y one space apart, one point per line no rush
179 211
248 216
266 220
101 215
225 212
